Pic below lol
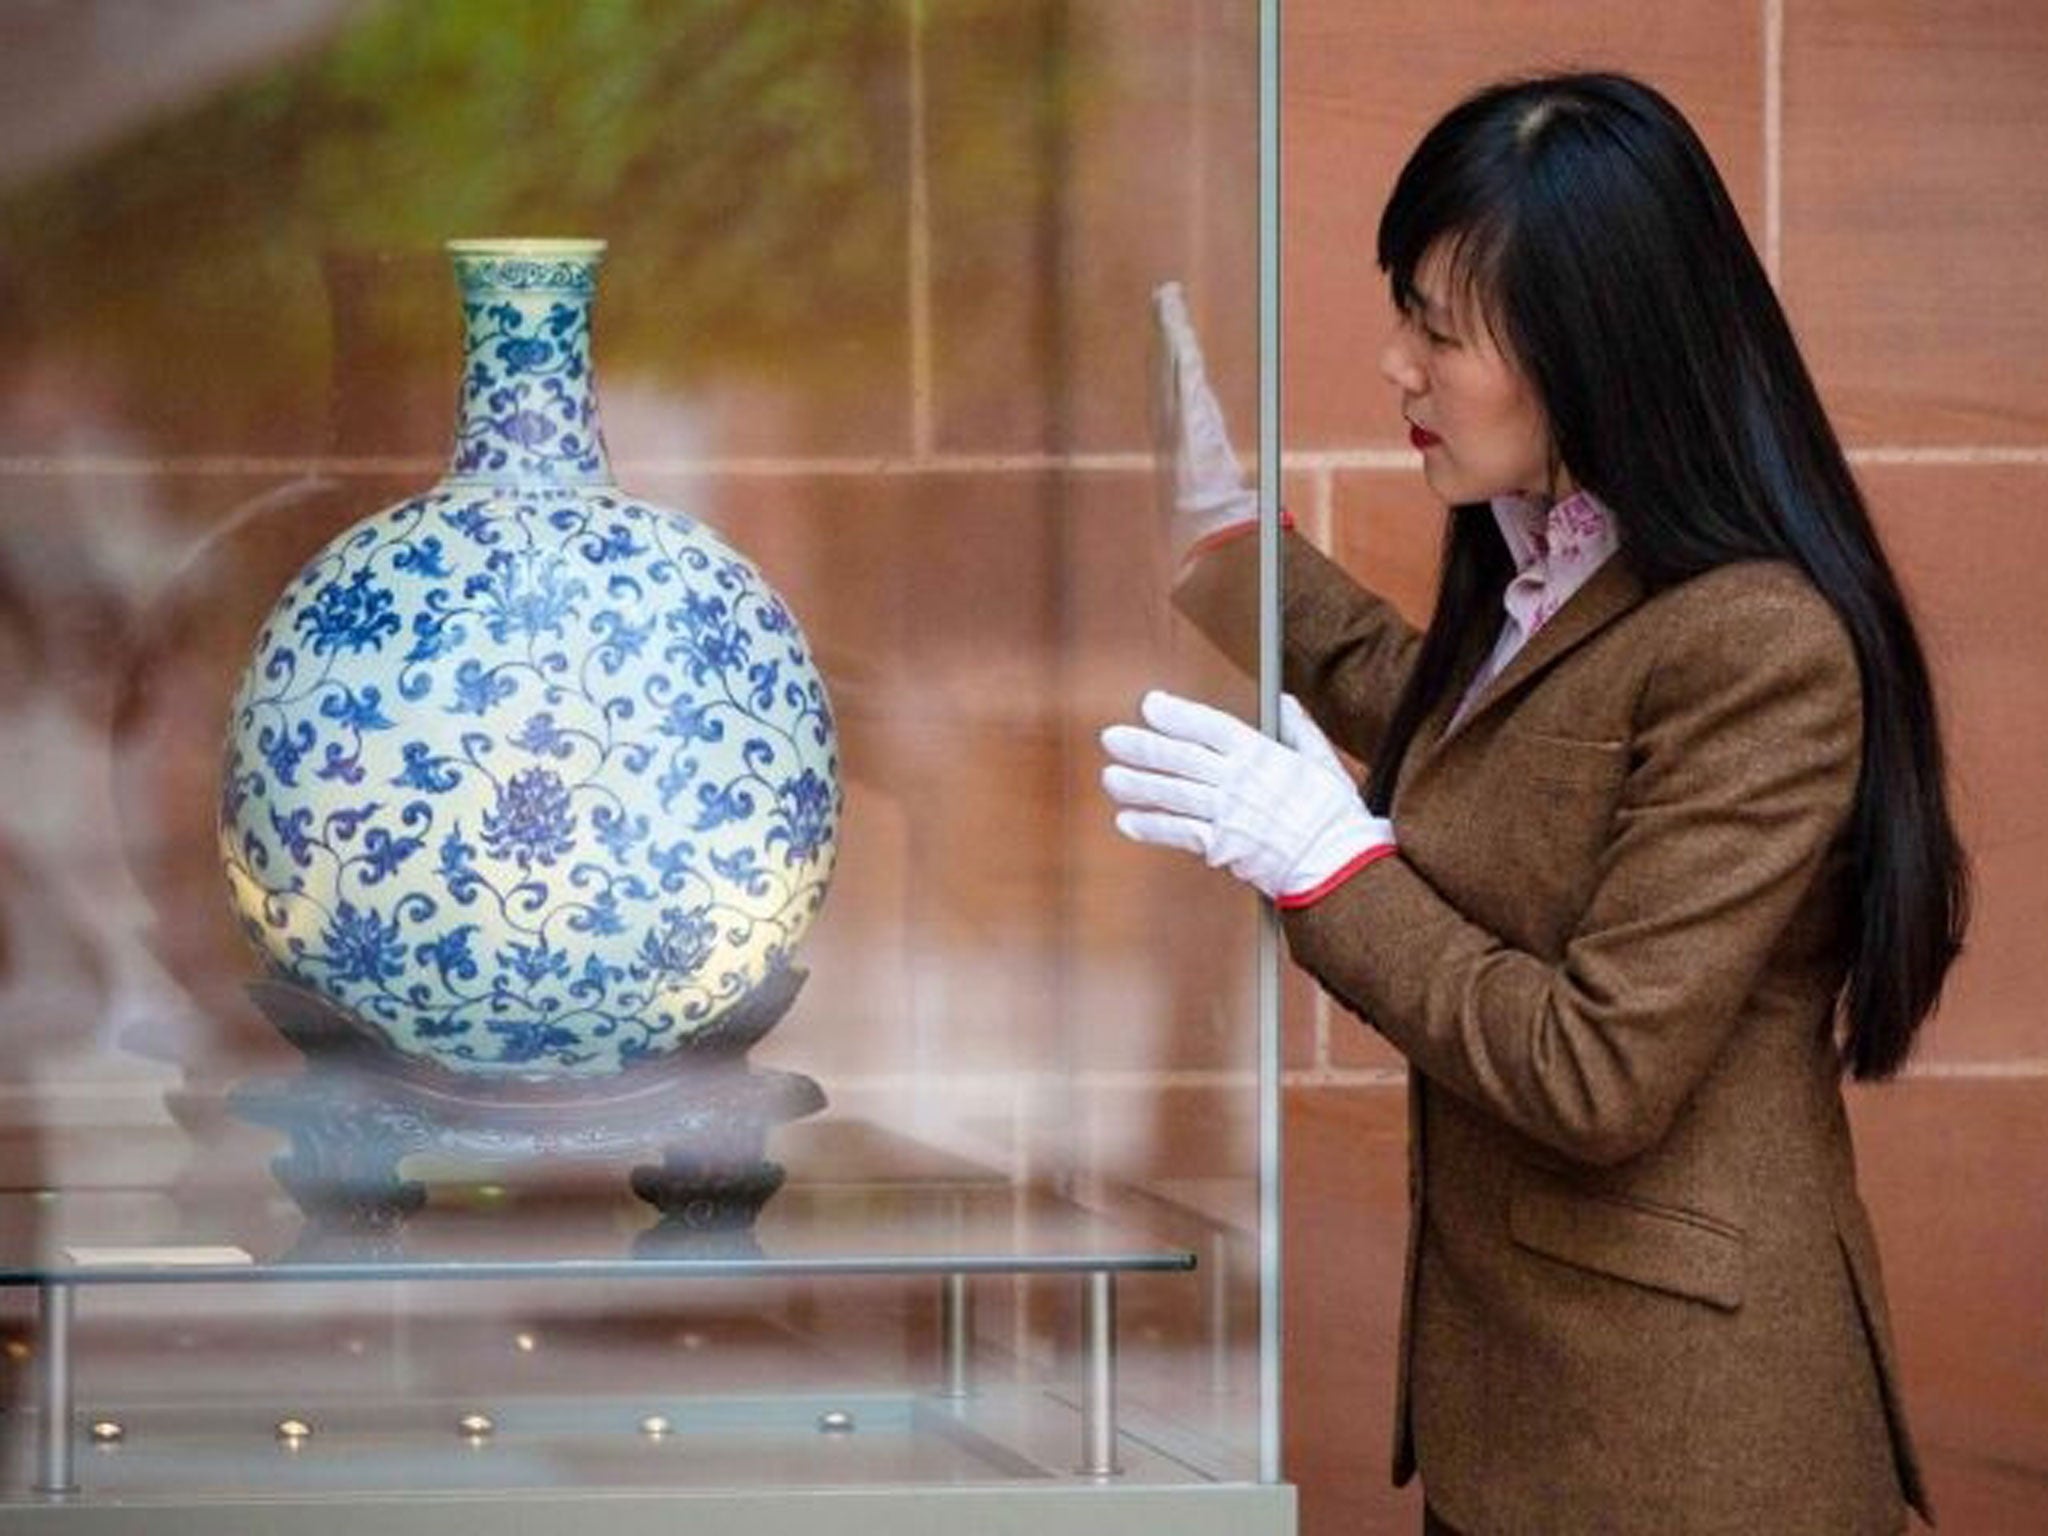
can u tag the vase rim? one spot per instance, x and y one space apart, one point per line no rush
526 246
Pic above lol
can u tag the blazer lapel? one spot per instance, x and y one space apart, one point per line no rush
1608 593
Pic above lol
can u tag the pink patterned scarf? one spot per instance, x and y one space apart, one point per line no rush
1556 548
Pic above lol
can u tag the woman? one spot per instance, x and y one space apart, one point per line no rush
1654 845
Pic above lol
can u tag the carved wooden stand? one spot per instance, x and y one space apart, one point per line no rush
358 1109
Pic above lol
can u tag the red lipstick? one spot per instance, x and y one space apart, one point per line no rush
1421 437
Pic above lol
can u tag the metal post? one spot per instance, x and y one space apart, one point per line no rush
1218 1308
1098 1392
956 1329
53 1423
1269 1229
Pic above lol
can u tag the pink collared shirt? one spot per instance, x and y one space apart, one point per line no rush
1556 548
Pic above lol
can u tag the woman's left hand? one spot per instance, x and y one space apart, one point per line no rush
1283 816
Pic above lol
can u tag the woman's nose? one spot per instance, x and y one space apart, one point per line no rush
1399 365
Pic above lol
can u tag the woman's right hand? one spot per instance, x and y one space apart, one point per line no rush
1202 489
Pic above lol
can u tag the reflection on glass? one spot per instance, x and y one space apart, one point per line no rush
877 307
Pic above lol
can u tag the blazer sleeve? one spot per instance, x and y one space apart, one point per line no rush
1744 763
1346 651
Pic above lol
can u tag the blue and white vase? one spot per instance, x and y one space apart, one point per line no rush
534 779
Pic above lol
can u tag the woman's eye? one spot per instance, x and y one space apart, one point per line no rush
1417 319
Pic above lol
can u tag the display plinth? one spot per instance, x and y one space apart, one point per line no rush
358 1109
1067 1510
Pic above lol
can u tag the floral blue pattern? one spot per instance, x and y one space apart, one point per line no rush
536 779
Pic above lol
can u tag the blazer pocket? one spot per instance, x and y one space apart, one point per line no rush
1569 762
1661 1247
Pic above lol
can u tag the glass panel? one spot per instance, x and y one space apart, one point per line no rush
527 788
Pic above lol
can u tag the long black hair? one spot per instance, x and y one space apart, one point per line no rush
1586 222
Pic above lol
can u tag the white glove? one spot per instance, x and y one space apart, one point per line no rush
1283 816
1205 490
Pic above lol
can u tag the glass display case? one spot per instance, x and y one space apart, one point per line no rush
560 949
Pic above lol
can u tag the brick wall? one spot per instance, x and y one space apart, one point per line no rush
1887 156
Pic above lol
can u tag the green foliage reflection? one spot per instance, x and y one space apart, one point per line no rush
745 159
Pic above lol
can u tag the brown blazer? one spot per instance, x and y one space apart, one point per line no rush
1643 1295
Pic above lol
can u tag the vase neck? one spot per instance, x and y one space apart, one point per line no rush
526 413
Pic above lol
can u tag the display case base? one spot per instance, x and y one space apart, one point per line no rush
1067 1510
